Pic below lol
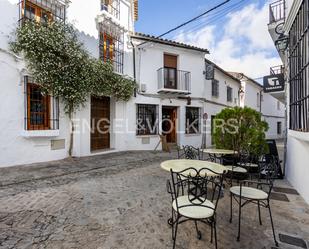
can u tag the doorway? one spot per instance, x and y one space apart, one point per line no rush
169 118
100 123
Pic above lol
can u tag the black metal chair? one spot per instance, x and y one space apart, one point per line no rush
191 152
180 152
195 197
256 192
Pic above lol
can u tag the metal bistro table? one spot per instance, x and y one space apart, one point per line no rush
178 165
217 153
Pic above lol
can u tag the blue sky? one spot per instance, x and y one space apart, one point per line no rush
236 33
156 17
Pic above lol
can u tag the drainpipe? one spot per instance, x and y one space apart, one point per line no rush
261 97
134 65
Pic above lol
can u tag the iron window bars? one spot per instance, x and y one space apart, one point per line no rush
277 11
299 70
112 7
276 70
111 49
193 119
41 112
147 119
171 78
229 94
42 9
215 88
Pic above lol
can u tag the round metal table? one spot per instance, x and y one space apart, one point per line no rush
178 165
217 153
220 151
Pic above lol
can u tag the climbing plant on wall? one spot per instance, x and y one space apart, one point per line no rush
59 63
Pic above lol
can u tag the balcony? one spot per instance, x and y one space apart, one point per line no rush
112 7
277 11
276 70
173 81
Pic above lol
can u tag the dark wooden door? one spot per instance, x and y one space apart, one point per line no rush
100 123
169 116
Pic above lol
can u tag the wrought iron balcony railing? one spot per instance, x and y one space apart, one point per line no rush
112 7
173 80
277 70
277 11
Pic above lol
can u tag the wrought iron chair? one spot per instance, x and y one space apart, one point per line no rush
180 152
256 192
248 162
195 197
191 152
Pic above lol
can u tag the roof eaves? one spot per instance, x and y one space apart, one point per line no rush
167 42
223 71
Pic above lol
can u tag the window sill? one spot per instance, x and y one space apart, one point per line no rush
150 135
192 134
40 133
302 136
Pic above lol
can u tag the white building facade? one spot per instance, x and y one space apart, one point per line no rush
271 109
293 47
173 95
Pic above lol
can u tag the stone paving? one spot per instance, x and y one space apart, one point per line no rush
119 201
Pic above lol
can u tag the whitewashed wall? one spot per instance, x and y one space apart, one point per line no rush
272 110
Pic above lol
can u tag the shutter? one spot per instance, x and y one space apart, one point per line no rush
135 4
170 61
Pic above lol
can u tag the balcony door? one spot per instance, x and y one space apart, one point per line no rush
170 71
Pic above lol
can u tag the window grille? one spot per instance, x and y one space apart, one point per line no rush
41 111
42 10
299 70
147 119
215 88
193 120
229 94
111 49
112 7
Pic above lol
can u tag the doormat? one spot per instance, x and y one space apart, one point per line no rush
292 240
279 197
286 190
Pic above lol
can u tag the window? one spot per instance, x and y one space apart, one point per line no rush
229 94
42 11
36 13
215 88
111 50
41 111
147 119
192 120
108 47
279 128
299 70
111 6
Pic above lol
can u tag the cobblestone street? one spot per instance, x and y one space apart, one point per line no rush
120 201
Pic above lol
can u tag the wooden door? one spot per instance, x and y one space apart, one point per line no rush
174 119
169 124
100 123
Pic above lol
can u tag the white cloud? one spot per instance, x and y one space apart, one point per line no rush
244 45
